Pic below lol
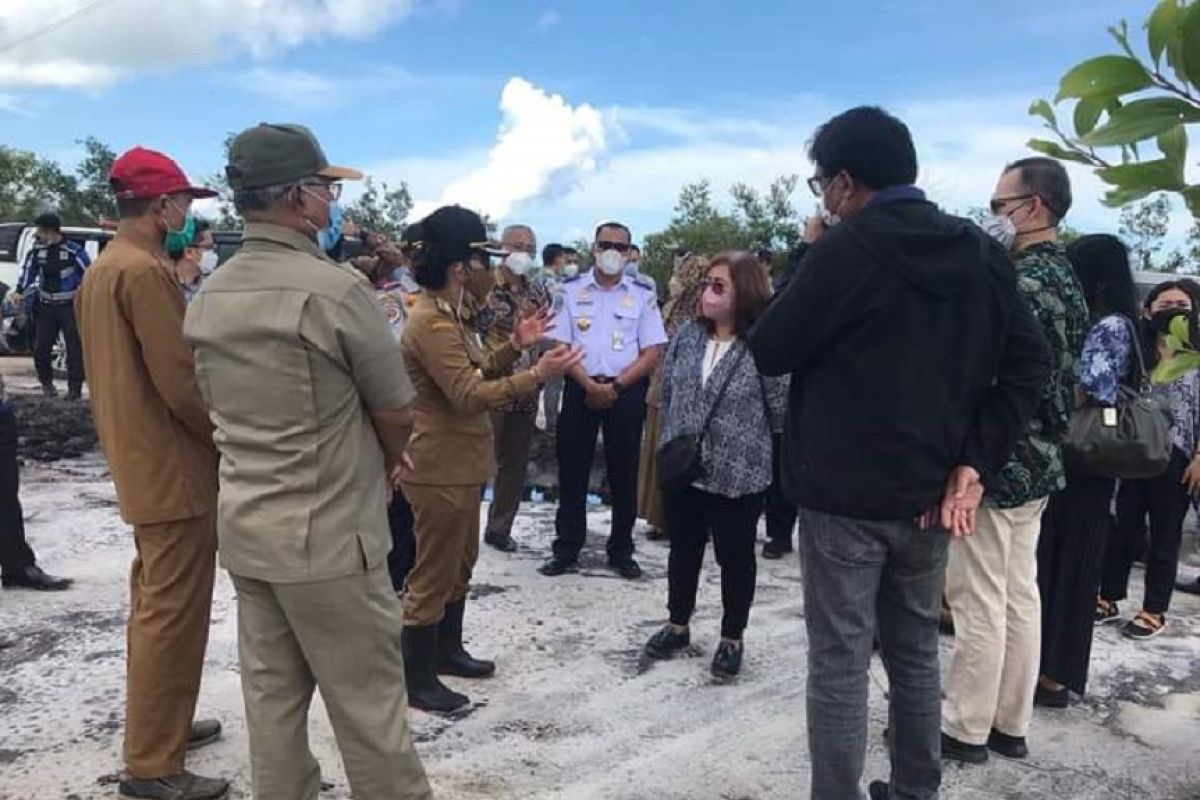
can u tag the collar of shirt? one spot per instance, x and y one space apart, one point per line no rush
278 234
129 234
894 194
590 282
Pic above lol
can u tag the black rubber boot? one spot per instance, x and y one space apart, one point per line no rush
425 691
453 658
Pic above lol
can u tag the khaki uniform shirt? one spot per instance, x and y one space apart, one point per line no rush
151 420
292 353
457 383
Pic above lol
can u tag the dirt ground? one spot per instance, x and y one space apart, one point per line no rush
573 712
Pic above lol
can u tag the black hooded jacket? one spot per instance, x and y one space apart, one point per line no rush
910 351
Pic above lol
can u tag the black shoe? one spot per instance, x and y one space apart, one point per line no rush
75 393
425 691
453 658
48 390
954 750
184 786
1047 699
879 790
774 550
657 535
1189 586
627 568
1007 746
32 577
558 566
727 661
501 541
203 733
666 643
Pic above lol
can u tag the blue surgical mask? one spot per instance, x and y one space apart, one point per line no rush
329 236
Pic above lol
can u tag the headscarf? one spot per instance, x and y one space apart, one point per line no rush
682 306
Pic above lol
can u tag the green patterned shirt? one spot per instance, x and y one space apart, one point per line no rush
1047 281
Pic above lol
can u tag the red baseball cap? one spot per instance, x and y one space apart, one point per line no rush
141 173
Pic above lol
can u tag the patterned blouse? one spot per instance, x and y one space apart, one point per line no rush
498 318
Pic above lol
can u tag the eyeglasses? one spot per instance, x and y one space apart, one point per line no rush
620 247
718 287
998 203
815 186
334 189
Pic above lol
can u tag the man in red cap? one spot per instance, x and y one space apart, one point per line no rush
156 434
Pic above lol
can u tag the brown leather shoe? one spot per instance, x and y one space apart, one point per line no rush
184 786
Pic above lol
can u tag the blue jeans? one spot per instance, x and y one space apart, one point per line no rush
860 577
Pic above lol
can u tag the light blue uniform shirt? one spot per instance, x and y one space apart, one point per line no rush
613 326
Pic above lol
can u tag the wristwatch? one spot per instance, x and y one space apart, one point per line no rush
618 388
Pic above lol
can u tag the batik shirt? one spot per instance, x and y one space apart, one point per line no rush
498 318
1047 282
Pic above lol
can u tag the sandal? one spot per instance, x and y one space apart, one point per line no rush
1106 611
1145 625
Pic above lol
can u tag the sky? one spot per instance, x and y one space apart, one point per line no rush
556 114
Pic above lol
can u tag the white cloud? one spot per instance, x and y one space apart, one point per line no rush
119 39
544 147
298 87
548 19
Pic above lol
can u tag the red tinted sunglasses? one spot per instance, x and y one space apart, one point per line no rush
718 287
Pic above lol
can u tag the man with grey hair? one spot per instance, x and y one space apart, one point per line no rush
310 399
514 295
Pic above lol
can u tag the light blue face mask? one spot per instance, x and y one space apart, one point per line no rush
329 236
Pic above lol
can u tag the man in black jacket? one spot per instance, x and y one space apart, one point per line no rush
914 366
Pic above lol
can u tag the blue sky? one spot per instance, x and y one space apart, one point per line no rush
552 113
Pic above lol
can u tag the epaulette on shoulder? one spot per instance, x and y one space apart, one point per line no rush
572 279
645 284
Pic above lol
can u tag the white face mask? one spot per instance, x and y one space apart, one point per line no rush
519 263
208 262
611 263
570 270
1001 228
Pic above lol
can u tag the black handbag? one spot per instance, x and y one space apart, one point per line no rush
679 461
1129 440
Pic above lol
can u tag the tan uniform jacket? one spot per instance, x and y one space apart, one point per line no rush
457 384
151 420
293 353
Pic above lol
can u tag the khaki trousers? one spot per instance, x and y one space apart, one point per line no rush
991 584
513 436
446 527
341 636
170 600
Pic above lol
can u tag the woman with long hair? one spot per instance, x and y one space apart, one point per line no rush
1163 501
1077 521
711 388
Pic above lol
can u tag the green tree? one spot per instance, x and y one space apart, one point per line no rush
380 209
95 196
1144 227
227 217
1122 101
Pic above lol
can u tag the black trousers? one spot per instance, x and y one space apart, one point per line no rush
1076 528
51 319
404 543
694 515
578 426
1164 500
15 554
781 514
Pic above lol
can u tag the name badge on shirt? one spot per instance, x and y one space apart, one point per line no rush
1109 418
618 340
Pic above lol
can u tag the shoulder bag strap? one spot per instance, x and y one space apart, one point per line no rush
1135 344
724 386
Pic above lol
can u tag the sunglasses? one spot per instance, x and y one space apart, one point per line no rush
620 247
718 287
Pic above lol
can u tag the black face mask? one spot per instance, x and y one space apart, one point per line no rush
1160 323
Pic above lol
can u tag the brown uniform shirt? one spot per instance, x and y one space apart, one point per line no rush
457 384
292 353
151 420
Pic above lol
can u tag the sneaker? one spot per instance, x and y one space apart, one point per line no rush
1008 746
500 541
558 566
1047 699
184 786
727 661
1106 611
667 642
1145 625
627 568
955 750
880 790
773 550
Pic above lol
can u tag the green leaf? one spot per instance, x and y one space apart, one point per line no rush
1180 331
1043 109
1055 150
1142 119
1163 27
1104 76
1174 367
1189 38
1124 195
1173 144
1087 113
1191 196
1158 175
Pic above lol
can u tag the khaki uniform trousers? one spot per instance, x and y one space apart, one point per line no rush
446 527
513 432
170 601
991 584
341 636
